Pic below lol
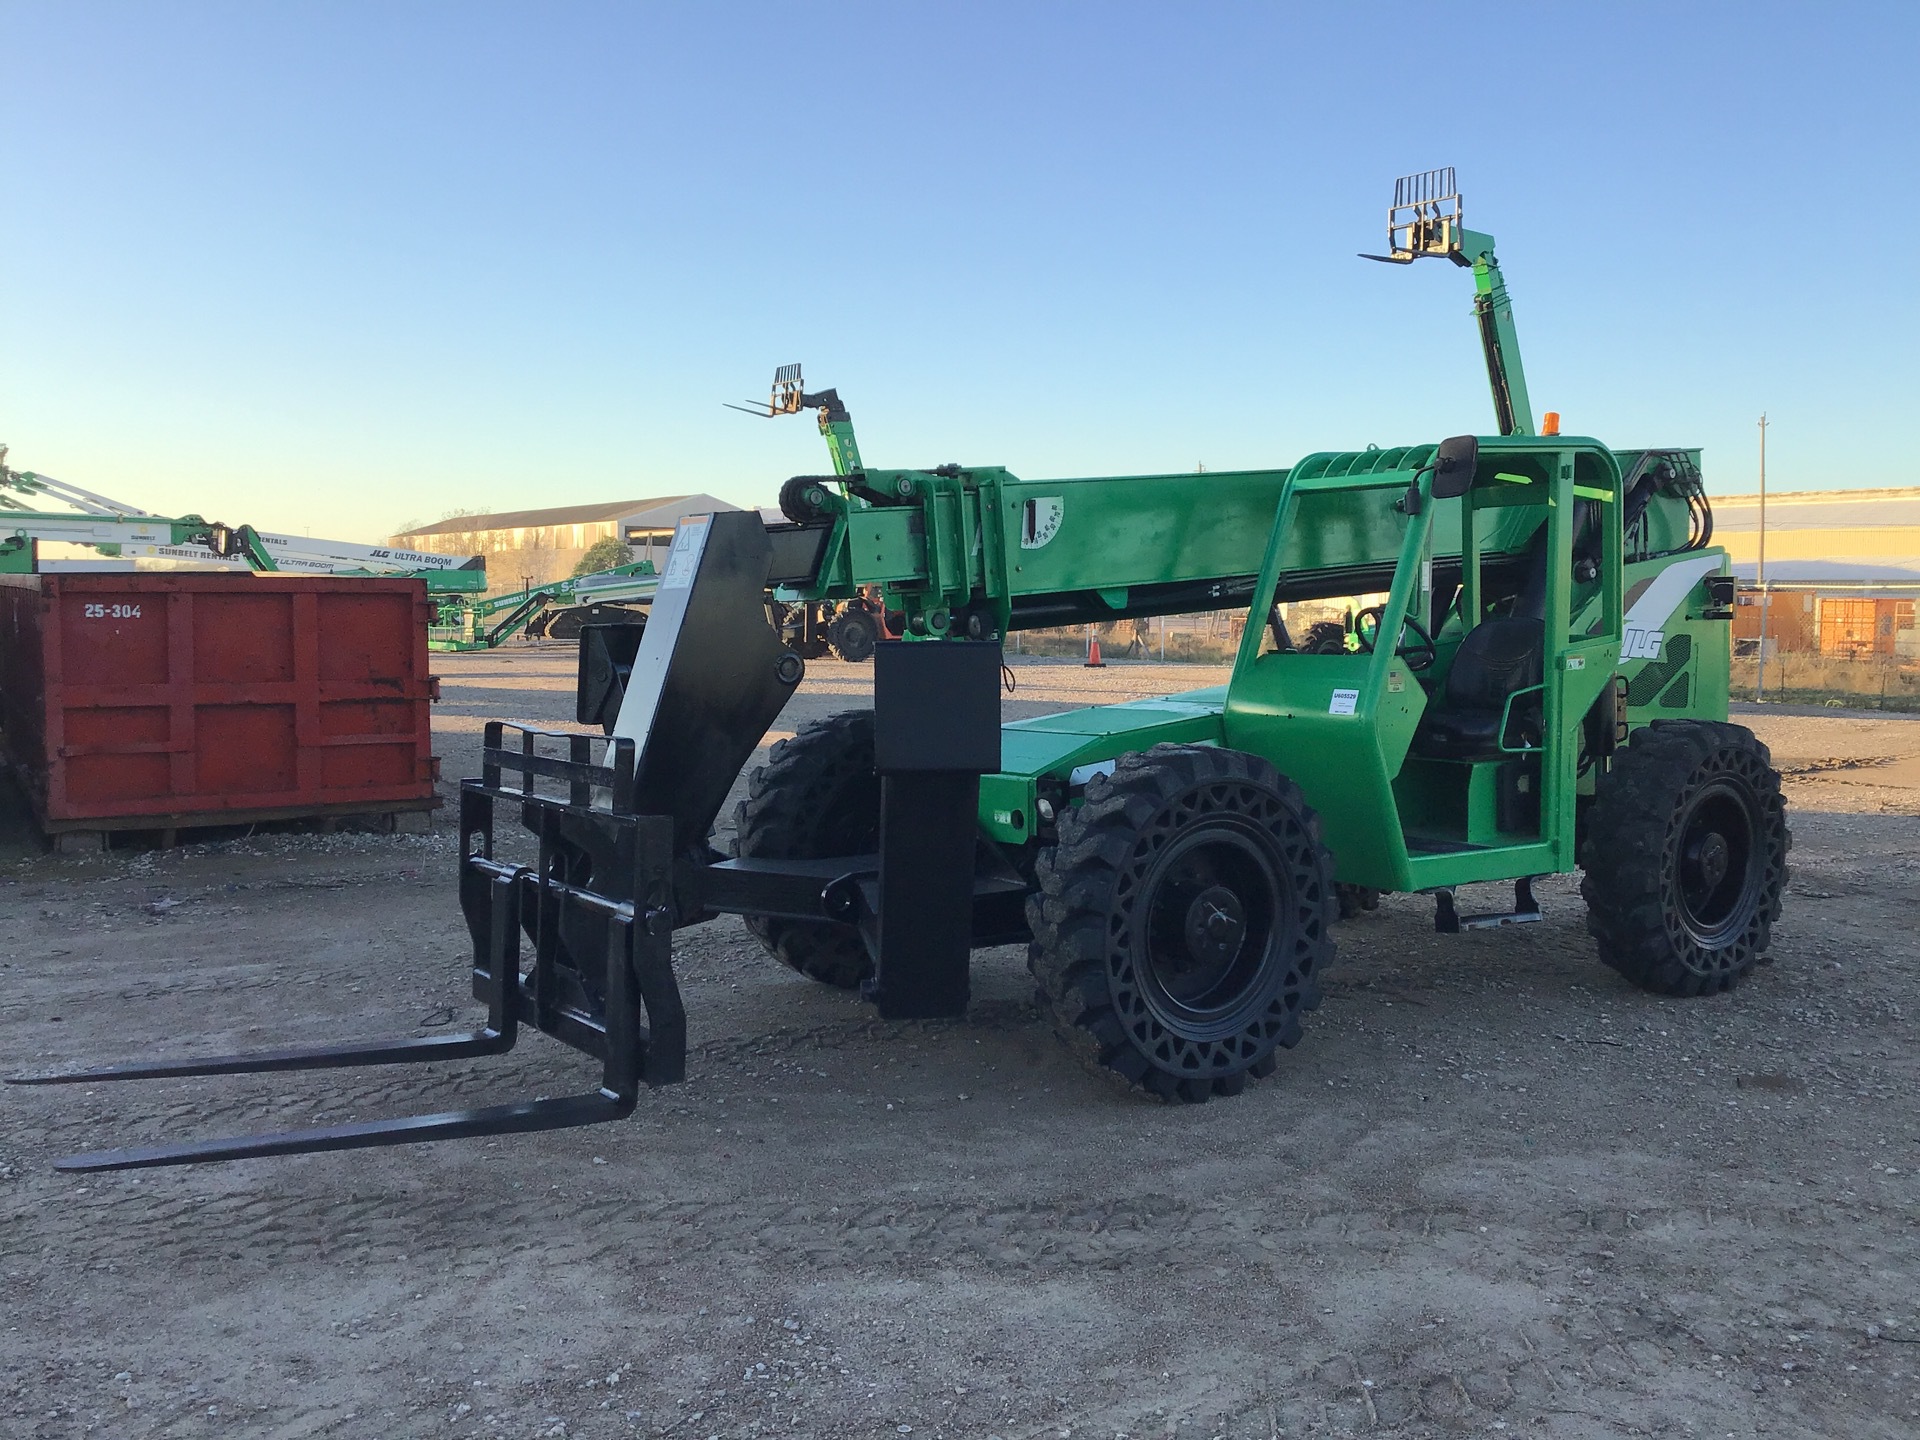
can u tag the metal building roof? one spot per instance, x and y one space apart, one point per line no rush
1820 509
1812 574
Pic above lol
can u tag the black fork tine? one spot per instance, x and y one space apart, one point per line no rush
514 1119
300 1057
497 1038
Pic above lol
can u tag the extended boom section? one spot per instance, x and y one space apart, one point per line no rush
981 552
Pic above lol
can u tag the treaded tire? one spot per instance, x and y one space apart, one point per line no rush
1686 857
853 635
817 795
1114 950
1324 637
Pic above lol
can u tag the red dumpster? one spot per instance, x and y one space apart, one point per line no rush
167 699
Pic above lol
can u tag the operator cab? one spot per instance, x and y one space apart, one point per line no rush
1484 740
1487 704
1432 645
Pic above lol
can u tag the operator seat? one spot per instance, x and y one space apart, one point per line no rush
1498 656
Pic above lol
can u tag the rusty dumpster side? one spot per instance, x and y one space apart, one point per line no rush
164 699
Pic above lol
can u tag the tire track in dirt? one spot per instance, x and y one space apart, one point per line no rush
1602 1364
1066 1234
93 1116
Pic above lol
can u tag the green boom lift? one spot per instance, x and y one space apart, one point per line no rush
1540 686
121 531
619 595
483 624
846 626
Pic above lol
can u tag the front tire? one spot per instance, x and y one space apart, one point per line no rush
817 795
1686 857
1184 919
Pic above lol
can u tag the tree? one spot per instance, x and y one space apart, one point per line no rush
604 554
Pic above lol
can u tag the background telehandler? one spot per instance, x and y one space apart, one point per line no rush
1539 684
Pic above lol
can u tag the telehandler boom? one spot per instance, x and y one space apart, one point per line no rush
1539 685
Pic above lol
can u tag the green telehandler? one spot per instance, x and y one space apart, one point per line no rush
1537 683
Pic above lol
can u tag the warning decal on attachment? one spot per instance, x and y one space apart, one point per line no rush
688 541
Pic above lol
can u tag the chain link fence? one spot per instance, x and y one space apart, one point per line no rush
1868 682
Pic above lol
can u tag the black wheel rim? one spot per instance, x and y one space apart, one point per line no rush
1212 904
1718 865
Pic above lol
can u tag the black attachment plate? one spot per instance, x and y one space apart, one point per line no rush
710 675
606 659
797 552
936 706
922 938
936 731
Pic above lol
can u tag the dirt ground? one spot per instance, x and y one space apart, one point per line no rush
1493 1192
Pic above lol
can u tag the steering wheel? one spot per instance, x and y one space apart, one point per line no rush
1418 655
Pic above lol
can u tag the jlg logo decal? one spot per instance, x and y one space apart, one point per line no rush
1638 644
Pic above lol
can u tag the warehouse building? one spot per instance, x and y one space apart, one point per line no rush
1843 570
537 547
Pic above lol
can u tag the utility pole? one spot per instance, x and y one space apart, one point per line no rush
1760 676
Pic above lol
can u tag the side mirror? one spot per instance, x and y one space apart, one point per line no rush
1453 466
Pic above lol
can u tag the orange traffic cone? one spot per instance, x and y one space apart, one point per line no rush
1094 662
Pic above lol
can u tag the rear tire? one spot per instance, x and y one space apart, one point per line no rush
817 795
1183 920
1686 857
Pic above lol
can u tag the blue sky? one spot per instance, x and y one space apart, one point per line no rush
336 266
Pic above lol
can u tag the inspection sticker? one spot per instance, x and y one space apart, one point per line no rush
1343 702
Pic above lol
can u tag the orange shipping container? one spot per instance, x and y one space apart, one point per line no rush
1854 626
1790 619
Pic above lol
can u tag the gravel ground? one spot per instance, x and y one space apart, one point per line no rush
1494 1191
